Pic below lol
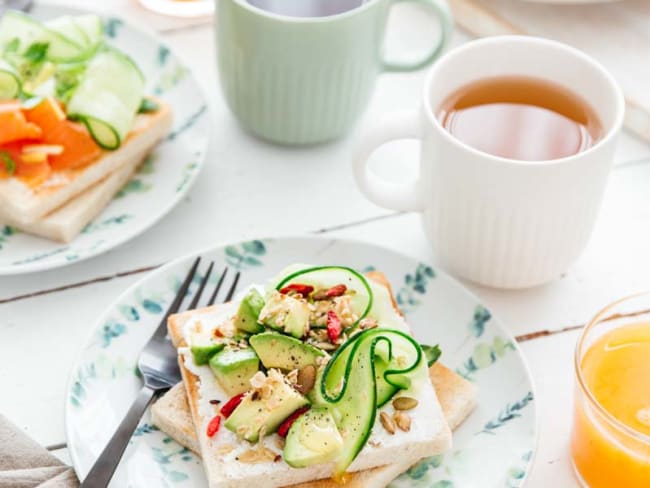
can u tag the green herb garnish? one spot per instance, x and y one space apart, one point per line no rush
36 52
147 105
432 353
10 164
67 79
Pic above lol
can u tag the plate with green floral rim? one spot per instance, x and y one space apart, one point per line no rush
159 184
493 448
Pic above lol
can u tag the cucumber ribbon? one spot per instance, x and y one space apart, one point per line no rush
350 383
66 58
327 276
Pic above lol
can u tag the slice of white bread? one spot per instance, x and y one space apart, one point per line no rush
457 396
65 222
24 205
171 412
365 466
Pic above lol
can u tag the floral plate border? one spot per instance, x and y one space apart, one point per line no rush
493 448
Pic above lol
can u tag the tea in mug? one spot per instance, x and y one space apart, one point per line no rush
521 118
307 8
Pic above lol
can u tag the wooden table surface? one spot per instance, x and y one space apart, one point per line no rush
251 189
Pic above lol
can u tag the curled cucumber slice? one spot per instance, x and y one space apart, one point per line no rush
328 276
65 26
28 31
10 84
92 27
107 104
84 30
375 361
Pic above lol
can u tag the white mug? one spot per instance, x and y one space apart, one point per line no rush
496 221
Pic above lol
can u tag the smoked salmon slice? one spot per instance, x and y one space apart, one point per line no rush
31 173
79 147
14 126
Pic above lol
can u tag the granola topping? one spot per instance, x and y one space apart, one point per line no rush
259 454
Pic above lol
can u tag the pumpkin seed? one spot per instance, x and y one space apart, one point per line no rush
404 403
306 379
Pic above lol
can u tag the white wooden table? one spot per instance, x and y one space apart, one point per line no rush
251 189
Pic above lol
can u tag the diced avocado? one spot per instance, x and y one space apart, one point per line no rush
287 313
284 352
203 354
248 312
234 368
315 396
312 439
254 412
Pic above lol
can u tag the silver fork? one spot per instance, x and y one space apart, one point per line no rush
158 363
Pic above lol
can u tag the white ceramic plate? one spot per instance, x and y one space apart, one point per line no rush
493 448
160 183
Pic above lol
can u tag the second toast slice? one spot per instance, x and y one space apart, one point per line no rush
24 205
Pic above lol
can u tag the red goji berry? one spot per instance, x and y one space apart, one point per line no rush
231 405
336 291
334 327
283 430
298 288
213 426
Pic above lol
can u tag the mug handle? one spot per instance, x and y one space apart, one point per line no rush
380 191
445 20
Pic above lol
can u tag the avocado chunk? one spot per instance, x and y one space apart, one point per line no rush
286 313
312 439
233 368
284 352
255 412
248 312
203 354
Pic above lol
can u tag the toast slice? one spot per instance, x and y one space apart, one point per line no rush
67 221
434 438
171 414
24 205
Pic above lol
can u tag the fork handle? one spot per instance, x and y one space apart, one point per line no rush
102 471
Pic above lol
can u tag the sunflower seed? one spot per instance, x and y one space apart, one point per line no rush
387 422
403 421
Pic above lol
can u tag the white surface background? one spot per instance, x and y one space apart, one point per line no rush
252 189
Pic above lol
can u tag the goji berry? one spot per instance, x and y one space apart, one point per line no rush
283 430
231 405
298 288
336 291
213 426
334 328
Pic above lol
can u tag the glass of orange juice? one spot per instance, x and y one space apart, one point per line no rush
610 441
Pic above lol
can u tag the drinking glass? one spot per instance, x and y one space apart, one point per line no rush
605 452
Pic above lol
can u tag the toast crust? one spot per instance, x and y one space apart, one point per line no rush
23 204
457 397
216 477
66 222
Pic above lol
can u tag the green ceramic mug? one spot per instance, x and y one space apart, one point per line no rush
304 80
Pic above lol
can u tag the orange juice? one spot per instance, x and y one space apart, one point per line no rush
610 444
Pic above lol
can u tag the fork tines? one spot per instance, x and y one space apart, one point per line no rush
204 281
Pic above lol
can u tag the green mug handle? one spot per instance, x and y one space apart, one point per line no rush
443 13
